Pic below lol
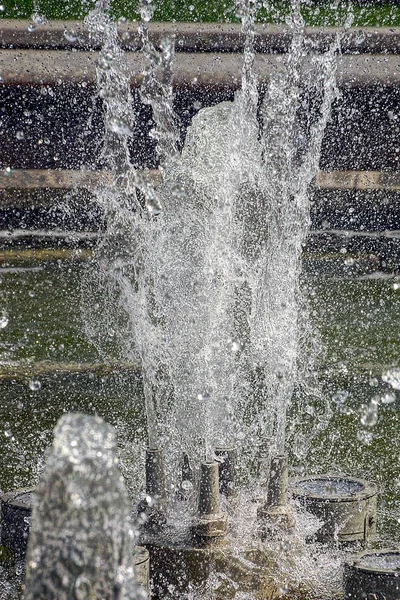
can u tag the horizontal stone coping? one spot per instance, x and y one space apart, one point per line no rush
197 37
23 371
191 71
36 179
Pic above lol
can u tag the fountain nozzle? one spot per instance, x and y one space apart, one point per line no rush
275 516
154 506
227 458
210 523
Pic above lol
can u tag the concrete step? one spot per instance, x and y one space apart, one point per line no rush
197 37
43 199
191 71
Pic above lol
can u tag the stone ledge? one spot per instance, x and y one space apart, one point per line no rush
198 37
191 71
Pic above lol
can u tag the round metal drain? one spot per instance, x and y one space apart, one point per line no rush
16 514
373 575
345 506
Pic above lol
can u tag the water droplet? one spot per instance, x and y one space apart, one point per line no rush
392 377
204 397
39 19
154 208
8 171
2 8
70 36
187 485
365 437
373 382
31 27
34 385
236 346
369 414
349 261
20 135
388 398
120 126
340 397
31 293
4 320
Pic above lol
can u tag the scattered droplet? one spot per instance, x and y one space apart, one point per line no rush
365 437
4 320
31 293
392 377
20 135
236 346
154 208
340 397
8 171
120 126
34 385
39 19
388 398
283 590
187 485
373 382
70 36
2 8
31 27
369 414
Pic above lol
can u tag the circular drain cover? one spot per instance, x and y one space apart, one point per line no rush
16 512
373 575
346 507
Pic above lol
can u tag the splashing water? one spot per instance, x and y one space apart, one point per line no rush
81 540
200 277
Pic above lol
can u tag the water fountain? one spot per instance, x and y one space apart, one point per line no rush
200 280
207 278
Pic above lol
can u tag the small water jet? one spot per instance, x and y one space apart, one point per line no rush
81 544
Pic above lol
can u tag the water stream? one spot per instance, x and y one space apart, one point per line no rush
201 274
